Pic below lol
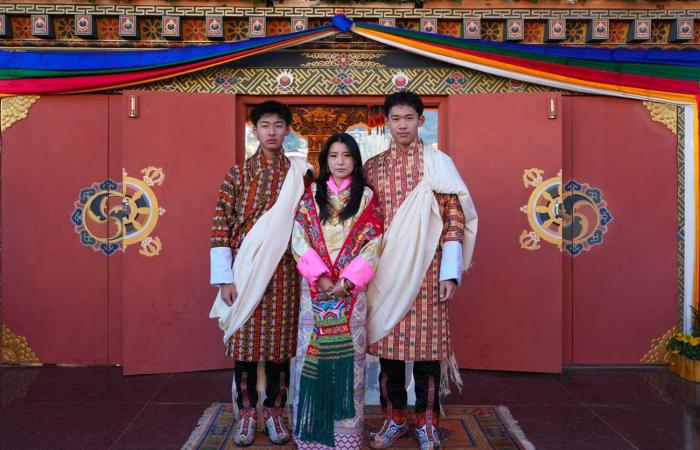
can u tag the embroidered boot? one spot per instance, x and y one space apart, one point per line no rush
274 428
245 427
427 432
394 427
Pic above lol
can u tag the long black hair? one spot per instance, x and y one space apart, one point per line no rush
358 178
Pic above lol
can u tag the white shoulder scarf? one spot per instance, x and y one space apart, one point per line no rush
411 241
260 253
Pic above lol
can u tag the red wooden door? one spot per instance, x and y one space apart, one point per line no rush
625 285
507 315
115 261
54 266
185 144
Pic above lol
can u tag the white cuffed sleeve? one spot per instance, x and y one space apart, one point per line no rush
451 262
221 262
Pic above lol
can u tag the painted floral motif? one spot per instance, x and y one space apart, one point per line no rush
343 60
575 32
278 26
236 30
22 28
534 32
151 29
342 81
194 29
456 80
660 32
618 32
450 28
492 31
108 28
225 79
64 28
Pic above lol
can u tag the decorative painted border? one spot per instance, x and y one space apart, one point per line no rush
680 127
340 81
150 32
354 12
672 117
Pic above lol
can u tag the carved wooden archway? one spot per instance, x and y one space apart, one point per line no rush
317 123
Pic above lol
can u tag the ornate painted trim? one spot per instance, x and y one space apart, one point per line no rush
664 113
15 348
681 212
350 59
149 32
657 351
14 109
359 12
340 81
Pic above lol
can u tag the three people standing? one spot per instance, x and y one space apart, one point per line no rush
352 240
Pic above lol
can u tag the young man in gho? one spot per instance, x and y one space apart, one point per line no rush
430 220
251 262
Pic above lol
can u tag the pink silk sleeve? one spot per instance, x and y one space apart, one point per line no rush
359 272
311 266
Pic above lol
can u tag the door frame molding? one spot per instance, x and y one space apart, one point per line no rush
243 101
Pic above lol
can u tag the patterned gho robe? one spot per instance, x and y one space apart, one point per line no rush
355 244
247 192
424 333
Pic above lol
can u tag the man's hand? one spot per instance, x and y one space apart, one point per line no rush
325 284
447 290
228 293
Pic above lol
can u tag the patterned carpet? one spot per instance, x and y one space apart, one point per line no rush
464 427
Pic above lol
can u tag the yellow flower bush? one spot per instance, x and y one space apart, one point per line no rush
687 345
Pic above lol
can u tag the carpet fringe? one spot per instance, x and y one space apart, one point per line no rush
201 425
513 427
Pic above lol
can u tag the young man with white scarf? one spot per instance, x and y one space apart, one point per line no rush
258 302
429 218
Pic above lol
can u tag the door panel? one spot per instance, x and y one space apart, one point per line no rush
116 261
624 286
54 274
507 315
185 142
